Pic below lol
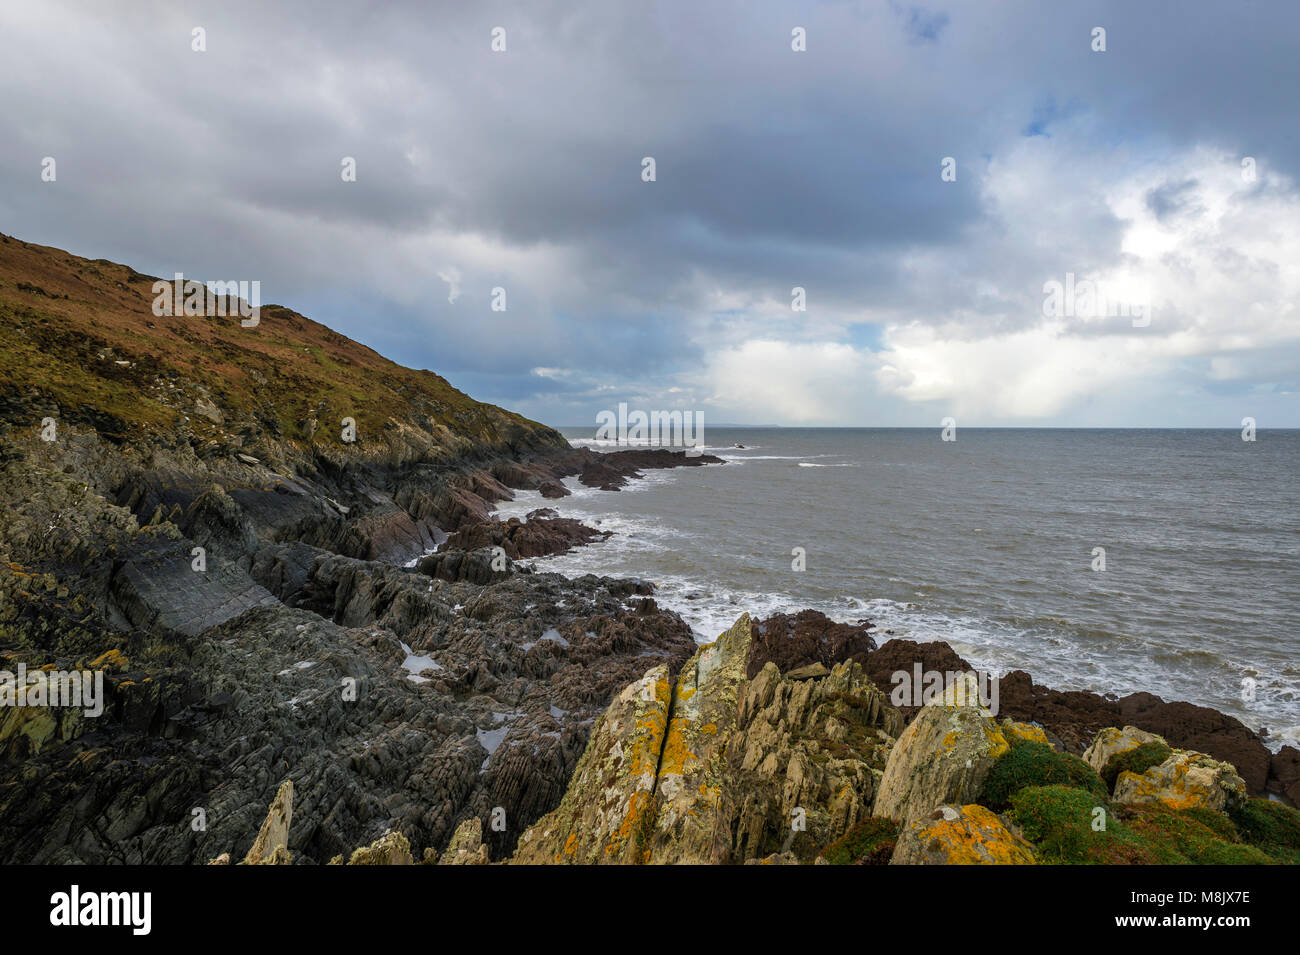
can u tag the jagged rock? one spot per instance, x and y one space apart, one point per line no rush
960 835
812 671
942 757
604 814
553 489
692 770
392 848
466 846
537 537
1111 742
805 760
723 769
223 859
305 646
611 471
808 639
272 842
1184 781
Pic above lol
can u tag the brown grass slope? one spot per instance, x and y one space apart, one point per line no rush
79 342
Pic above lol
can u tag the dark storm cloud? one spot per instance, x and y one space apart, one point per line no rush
522 169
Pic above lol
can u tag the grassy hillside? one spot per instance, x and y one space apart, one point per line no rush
80 334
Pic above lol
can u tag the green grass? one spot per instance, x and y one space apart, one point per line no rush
1059 821
1271 826
1028 763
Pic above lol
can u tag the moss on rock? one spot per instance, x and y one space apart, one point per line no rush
1030 763
869 842
1137 760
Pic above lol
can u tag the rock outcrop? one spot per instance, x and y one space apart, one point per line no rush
942 757
391 848
721 768
271 847
197 514
1073 718
1112 742
466 846
961 835
1184 781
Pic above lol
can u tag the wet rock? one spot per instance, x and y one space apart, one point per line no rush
1284 774
792 641
901 656
553 489
613 470
538 537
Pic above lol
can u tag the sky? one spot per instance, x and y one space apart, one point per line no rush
923 173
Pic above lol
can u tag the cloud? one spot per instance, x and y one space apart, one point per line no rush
451 275
775 169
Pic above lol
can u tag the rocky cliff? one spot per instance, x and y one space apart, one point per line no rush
185 512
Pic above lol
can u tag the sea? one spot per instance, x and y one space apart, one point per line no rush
1114 561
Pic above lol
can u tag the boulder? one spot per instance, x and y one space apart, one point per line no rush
961 835
1184 781
1111 742
942 757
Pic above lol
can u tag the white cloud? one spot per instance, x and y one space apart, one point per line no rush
794 382
1221 269
451 275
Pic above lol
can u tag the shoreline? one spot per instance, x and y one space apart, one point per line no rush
1219 734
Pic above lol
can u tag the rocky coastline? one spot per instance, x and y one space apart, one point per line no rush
317 649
